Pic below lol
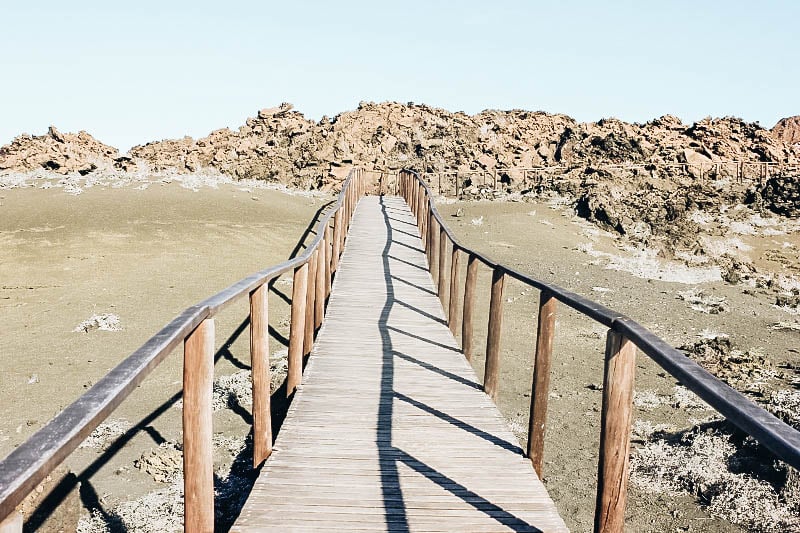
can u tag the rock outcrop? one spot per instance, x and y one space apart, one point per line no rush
788 130
63 153
640 180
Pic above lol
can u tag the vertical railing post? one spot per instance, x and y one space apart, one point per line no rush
423 227
294 360
433 238
442 265
261 381
311 296
319 298
469 302
541 380
337 240
198 460
615 430
492 368
452 308
327 245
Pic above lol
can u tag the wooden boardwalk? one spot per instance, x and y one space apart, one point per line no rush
390 430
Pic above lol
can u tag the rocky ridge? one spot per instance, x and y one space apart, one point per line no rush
639 180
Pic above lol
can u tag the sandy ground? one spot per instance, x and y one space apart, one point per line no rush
552 244
144 256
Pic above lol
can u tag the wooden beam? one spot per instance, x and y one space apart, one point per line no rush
615 430
469 302
294 360
261 380
541 380
492 368
198 459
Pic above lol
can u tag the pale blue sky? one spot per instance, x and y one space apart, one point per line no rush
140 71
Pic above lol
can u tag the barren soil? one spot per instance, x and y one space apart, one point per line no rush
550 244
144 256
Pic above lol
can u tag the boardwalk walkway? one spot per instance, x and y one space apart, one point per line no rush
390 430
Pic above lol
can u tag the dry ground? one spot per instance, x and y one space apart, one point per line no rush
144 256
552 244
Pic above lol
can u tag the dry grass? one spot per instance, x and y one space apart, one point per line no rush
733 477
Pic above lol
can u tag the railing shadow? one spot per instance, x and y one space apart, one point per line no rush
227 506
390 456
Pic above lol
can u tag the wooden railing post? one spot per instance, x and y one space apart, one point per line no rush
311 296
442 265
12 523
327 246
261 381
433 238
452 308
541 380
198 460
615 430
423 229
492 368
319 298
337 240
469 302
294 360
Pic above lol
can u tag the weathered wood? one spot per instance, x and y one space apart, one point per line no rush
198 460
337 240
390 429
442 270
433 255
492 367
327 246
12 523
319 299
294 359
261 381
452 308
469 302
615 430
311 296
541 380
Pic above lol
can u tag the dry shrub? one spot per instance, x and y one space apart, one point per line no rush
730 475
743 370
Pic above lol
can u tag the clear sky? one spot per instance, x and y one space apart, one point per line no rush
135 71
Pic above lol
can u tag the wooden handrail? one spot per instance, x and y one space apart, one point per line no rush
28 465
624 337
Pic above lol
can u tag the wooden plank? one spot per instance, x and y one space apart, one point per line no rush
390 428
615 430
12 523
541 380
198 460
261 381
